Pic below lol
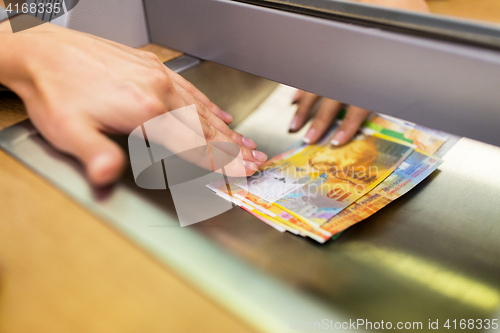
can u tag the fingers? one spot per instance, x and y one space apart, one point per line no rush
250 155
298 96
306 102
179 92
326 114
103 159
184 133
350 125
247 146
190 88
226 156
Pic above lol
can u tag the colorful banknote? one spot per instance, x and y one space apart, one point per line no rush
411 172
339 175
320 190
266 211
426 142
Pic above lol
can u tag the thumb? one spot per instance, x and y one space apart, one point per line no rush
105 163
102 158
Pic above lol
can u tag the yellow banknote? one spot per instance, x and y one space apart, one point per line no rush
411 172
339 176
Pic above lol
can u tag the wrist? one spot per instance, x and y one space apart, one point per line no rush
18 60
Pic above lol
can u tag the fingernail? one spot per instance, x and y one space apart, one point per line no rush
250 165
259 155
294 124
310 135
249 143
339 136
227 116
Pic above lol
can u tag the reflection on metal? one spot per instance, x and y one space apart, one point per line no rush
433 275
182 63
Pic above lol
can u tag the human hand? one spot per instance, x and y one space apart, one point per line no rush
77 87
326 114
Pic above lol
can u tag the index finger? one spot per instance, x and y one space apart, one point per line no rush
350 125
189 87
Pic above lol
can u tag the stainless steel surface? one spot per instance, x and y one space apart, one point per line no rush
435 83
432 254
182 63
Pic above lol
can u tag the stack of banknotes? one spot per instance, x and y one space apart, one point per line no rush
320 190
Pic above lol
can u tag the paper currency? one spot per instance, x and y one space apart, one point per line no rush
340 175
406 131
320 190
411 172
267 212
272 184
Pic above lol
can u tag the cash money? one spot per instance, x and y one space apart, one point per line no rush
266 211
425 142
289 192
339 175
411 172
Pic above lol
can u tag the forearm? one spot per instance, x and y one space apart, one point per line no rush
10 56
21 52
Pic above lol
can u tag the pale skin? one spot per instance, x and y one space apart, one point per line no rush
77 88
329 108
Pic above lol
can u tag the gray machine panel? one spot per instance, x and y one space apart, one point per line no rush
432 254
439 84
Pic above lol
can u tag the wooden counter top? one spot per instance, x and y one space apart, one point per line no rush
64 270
